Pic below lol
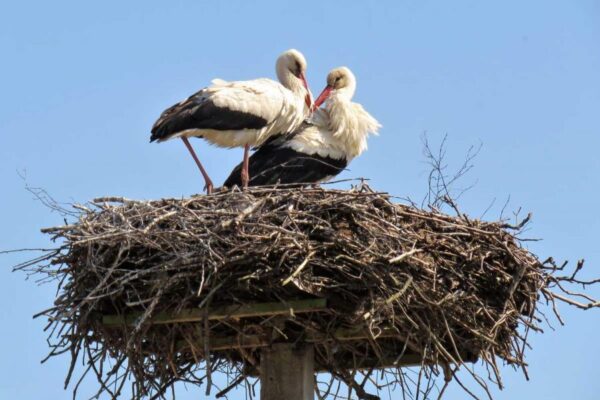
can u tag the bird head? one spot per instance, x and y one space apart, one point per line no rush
340 82
293 63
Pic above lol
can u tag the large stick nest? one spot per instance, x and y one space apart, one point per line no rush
401 286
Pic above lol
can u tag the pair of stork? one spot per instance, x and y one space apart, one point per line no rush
296 141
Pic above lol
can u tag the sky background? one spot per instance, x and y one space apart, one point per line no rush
81 84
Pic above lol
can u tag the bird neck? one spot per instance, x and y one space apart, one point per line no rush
289 80
344 94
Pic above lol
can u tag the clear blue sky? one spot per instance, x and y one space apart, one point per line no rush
82 82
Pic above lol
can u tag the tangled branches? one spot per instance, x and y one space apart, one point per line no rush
172 290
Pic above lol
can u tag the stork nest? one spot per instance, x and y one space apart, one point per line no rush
159 292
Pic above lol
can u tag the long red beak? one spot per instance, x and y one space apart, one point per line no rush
322 97
307 99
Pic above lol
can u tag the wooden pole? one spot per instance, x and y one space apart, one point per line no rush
287 373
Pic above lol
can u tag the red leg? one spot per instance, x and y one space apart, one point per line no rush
245 165
208 185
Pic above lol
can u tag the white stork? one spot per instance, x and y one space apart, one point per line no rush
240 113
323 145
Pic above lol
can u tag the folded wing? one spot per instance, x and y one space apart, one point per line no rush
224 106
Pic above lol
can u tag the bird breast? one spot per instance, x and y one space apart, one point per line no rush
350 124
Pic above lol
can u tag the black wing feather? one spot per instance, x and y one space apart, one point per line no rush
270 165
198 112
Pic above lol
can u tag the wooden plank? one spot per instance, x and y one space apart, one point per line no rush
407 360
348 334
254 341
229 343
217 313
287 373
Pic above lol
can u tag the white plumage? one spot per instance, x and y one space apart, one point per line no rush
240 113
281 108
323 145
341 128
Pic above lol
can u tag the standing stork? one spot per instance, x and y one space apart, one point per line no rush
240 113
323 145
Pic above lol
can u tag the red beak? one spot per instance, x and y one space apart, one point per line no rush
307 99
322 97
